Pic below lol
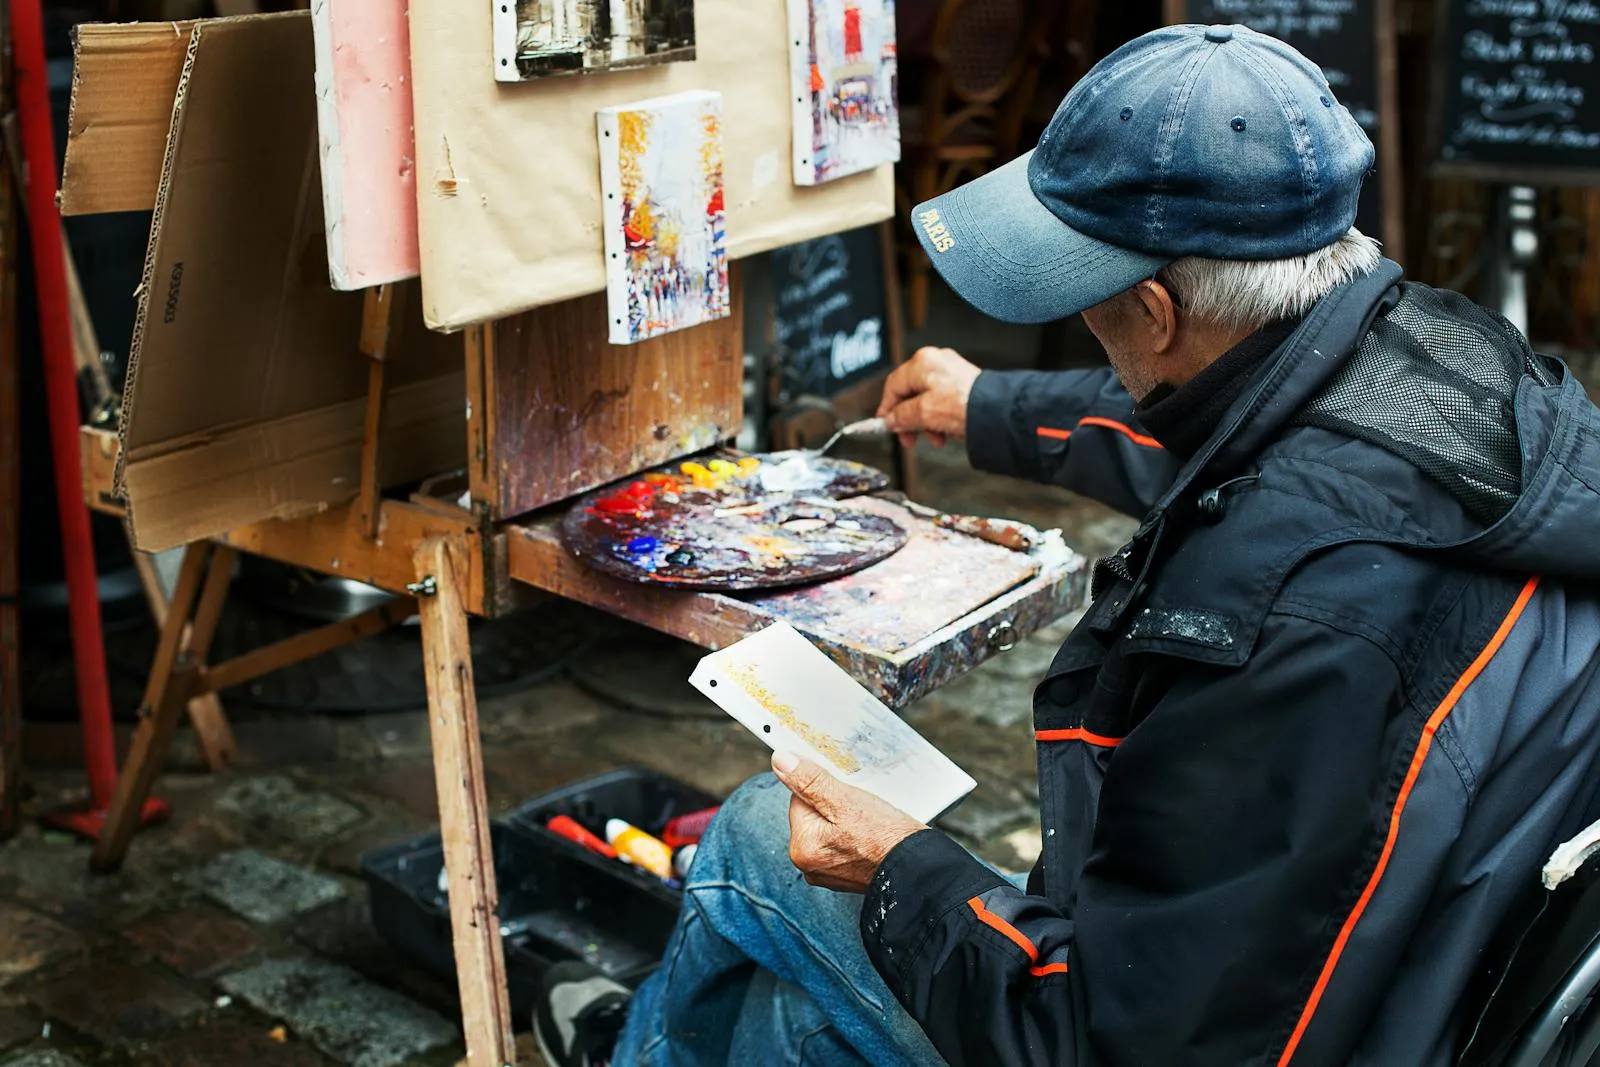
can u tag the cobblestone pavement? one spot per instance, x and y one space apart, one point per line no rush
238 932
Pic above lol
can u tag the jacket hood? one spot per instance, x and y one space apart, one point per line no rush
1455 390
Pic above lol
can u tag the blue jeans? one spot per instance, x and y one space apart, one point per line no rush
764 969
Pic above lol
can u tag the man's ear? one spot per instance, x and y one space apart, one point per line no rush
1159 314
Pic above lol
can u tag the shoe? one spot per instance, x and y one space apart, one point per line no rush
579 1016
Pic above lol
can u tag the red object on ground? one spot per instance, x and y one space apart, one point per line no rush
61 383
688 829
570 829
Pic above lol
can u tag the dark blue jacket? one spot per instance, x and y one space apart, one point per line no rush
1331 709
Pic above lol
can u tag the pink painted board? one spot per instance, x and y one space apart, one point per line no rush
369 185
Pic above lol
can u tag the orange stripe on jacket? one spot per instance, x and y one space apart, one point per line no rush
1016 937
1423 745
1109 424
1078 733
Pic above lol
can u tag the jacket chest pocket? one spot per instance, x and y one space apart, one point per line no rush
1079 719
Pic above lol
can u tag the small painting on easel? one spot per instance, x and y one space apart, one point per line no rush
541 38
665 238
842 63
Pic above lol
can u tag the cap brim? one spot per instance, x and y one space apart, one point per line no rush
1009 256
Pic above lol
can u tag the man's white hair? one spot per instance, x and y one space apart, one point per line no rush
1248 294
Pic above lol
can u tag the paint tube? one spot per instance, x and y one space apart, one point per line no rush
639 848
687 829
683 858
569 828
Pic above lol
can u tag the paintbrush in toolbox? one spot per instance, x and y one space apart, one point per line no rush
1017 536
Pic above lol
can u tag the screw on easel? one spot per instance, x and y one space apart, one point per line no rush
427 587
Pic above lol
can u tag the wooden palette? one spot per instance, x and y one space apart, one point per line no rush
735 522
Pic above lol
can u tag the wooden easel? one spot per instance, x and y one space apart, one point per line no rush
441 561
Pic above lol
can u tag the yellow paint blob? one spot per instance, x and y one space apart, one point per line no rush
703 479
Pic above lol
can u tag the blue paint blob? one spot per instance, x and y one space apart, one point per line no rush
641 545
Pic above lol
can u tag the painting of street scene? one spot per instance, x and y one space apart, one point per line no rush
665 240
594 36
843 64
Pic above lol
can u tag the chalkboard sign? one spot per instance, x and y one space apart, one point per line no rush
1518 90
1353 42
831 312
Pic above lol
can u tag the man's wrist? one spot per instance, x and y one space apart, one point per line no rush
892 839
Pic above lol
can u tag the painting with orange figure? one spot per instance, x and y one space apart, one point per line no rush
665 240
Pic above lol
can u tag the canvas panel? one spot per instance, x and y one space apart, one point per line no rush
549 38
508 200
844 70
369 182
666 253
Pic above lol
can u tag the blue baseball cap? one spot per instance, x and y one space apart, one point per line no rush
1212 141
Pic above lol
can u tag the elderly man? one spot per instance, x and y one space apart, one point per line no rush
1332 705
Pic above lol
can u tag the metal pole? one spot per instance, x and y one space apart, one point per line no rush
55 327
1516 248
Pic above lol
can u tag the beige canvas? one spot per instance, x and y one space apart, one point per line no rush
508 190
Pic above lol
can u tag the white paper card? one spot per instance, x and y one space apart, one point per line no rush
787 692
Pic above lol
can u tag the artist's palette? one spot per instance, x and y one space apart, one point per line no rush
734 522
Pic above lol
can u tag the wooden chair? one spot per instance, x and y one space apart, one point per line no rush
978 81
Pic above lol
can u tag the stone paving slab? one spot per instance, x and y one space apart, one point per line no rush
18 1024
409 783
117 1004
261 888
44 1058
275 808
194 941
239 1044
346 1016
28 941
344 855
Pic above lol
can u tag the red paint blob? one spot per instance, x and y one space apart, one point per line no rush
620 504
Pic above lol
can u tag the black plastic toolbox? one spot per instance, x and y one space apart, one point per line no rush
554 905
642 797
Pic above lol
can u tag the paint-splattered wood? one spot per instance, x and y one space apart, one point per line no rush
569 412
938 577
984 625
463 809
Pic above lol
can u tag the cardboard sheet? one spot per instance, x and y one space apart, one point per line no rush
123 81
369 183
245 383
508 196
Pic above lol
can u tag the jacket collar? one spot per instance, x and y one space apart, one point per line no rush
1302 365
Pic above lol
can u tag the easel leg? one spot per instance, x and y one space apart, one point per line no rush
463 806
206 717
164 699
